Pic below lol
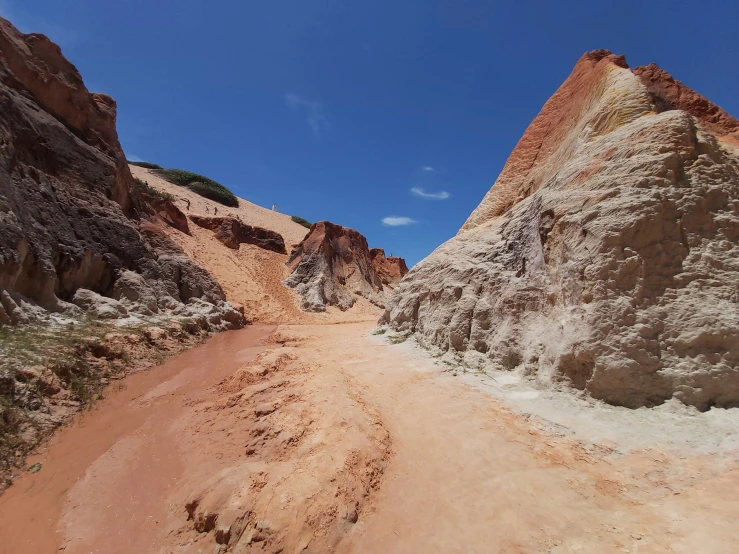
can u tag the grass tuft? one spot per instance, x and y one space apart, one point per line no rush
146 165
146 188
300 221
399 339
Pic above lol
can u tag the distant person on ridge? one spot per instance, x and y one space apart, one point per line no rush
215 210
188 205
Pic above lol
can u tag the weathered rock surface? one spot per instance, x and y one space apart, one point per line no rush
167 211
69 218
390 269
606 254
669 94
330 266
232 232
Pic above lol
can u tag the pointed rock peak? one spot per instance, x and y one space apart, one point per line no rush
600 95
668 93
596 56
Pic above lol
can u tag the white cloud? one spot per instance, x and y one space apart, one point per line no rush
134 158
395 221
427 168
312 109
441 195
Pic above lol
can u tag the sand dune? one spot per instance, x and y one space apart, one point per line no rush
250 275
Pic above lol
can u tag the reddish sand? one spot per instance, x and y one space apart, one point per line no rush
334 440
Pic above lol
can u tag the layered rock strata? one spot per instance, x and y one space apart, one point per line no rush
232 232
330 266
606 254
70 219
390 269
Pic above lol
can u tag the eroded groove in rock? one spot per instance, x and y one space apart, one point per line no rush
605 255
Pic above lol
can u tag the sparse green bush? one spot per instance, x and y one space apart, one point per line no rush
399 339
151 191
146 165
300 221
201 185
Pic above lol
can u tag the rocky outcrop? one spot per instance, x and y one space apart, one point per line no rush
232 232
605 255
390 269
69 217
669 94
166 210
331 266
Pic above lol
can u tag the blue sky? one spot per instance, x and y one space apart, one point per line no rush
357 112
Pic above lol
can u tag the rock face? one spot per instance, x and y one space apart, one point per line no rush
330 266
68 217
232 232
390 270
167 211
606 255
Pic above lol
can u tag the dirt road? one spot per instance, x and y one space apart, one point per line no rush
330 439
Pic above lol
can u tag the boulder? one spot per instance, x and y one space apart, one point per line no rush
605 256
99 306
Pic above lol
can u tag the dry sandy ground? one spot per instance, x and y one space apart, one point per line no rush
250 275
327 438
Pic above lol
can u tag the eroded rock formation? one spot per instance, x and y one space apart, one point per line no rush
331 266
69 218
390 269
232 232
606 254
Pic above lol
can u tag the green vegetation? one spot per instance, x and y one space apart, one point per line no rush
146 165
299 220
151 191
200 184
399 339
37 358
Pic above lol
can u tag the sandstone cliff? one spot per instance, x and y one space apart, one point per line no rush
330 266
605 255
69 219
90 285
390 269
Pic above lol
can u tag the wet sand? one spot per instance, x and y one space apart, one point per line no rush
32 507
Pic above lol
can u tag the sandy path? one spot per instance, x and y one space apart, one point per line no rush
334 440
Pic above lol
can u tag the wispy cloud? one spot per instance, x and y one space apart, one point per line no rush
134 158
395 221
313 111
427 168
441 195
